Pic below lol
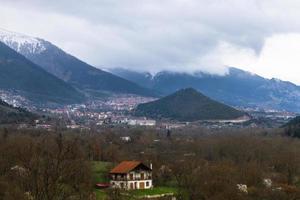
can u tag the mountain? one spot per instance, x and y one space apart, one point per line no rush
29 80
9 114
292 128
79 74
145 79
237 88
187 105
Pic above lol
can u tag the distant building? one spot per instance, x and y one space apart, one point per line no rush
131 175
141 122
125 138
73 126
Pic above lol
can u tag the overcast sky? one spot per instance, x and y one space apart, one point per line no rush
262 36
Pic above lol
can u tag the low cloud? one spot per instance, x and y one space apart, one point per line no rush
154 35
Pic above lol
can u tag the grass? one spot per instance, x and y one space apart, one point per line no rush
100 170
154 191
100 194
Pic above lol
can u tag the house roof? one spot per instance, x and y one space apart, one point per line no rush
126 166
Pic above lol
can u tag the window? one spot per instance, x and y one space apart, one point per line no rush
147 183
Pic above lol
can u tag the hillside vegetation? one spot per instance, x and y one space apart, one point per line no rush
9 114
192 163
187 105
292 128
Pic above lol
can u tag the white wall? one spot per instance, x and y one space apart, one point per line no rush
136 182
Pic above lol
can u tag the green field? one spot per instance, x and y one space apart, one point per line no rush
100 194
154 191
100 171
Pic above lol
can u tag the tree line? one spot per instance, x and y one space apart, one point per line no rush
202 164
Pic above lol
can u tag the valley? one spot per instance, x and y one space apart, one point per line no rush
73 131
118 111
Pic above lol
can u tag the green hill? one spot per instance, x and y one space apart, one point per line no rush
21 75
9 114
187 105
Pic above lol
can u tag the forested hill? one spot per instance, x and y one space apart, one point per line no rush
187 105
9 114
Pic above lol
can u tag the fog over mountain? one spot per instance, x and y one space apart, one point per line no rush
237 88
173 35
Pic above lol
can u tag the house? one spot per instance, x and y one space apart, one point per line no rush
131 175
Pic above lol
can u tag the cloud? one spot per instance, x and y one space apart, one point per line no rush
279 58
154 35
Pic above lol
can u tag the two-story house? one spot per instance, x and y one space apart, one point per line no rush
131 175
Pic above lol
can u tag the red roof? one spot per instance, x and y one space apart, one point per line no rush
102 185
125 167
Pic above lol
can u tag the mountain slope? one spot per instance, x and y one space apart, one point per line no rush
21 75
68 68
9 114
187 105
144 79
237 88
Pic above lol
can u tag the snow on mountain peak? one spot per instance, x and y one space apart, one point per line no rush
22 43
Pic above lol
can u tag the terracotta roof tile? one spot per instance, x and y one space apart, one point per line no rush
125 167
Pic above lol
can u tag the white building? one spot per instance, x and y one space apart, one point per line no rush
141 122
131 175
125 138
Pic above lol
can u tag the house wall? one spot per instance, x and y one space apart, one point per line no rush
133 180
132 185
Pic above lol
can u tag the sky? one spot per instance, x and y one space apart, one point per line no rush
261 36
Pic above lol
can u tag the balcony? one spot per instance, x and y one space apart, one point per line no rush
131 178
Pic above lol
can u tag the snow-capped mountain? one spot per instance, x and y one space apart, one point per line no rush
77 73
22 43
21 77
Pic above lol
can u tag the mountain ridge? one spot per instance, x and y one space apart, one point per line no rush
19 74
19 41
237 88
67 67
